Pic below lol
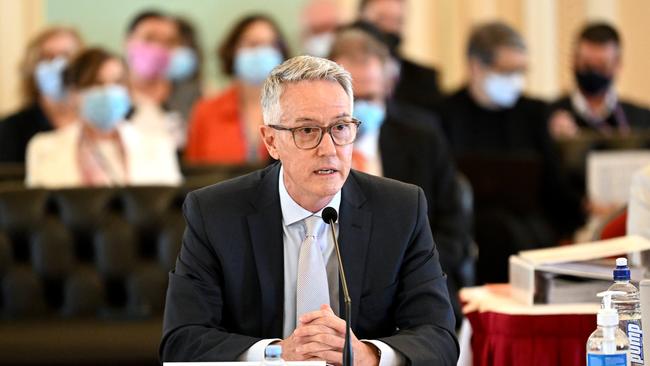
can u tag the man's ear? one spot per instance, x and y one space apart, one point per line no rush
268 136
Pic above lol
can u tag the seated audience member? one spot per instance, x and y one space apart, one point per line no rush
45 104
185 71
319 20
224 129
416 84
400 141
256 264
594 105
489 118
151 40
100 149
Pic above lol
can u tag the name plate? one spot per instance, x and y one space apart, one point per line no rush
289 363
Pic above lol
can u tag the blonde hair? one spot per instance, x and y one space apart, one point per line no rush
34 54
296 69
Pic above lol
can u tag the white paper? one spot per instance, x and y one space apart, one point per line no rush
609 174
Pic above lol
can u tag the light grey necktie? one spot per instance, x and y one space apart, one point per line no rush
312 290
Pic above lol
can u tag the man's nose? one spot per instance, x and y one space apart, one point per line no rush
327 146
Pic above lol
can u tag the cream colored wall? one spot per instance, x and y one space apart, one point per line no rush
437 30
19 21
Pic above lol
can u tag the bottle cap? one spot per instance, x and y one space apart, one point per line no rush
274 350
622 271
608 316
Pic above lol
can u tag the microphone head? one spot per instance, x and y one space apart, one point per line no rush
330 215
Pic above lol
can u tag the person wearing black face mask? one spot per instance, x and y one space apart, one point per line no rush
415 84
595 105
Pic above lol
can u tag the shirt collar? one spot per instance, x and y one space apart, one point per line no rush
582 107
292 212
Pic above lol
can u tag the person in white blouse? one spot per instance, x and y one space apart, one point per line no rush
100 149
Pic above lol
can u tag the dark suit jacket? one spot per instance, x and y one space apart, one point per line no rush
413 150
418 85
226 292
523 130
637 117
520 131
17 129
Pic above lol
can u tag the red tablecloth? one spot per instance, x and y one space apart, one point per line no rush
501 338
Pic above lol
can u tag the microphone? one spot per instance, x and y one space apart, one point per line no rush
329 216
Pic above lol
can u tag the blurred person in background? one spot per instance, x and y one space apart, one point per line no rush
100 148
224 129
45 106
399 141
489 118
152 38
416 84
595 105
319 20
185 70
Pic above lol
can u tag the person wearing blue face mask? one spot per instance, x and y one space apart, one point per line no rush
45 106
224 129
100 148
404 142
489 122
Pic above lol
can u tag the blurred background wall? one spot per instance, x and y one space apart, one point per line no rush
436 31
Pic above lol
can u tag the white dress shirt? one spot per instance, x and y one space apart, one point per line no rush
293 235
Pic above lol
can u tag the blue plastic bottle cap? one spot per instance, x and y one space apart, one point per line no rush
622 271
274 350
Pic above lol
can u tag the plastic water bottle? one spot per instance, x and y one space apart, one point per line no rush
273 356
608 345
628 305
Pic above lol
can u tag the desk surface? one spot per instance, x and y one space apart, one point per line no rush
496 298
508 333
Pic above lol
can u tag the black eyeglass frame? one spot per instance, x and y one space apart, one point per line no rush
323 131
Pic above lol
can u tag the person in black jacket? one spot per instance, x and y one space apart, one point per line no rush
404 142
594 105
44 104
248 247
501 142
416 84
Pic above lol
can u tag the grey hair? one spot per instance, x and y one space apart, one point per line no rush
486 38
296 69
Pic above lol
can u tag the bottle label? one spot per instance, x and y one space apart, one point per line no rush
595 359
635 335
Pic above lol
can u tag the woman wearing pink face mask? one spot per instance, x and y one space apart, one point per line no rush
152 37
99 148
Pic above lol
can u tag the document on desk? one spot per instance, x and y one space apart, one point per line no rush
609 174
570 273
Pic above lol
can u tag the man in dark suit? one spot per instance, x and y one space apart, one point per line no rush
491 122
404 142
595 105
239 282
416 84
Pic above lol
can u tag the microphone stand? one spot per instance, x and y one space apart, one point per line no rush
348 356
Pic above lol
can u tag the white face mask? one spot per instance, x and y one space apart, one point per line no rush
504 89
319 44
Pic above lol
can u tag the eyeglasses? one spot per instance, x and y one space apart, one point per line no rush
343 132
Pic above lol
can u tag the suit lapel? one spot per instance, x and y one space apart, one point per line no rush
354 238
266 237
